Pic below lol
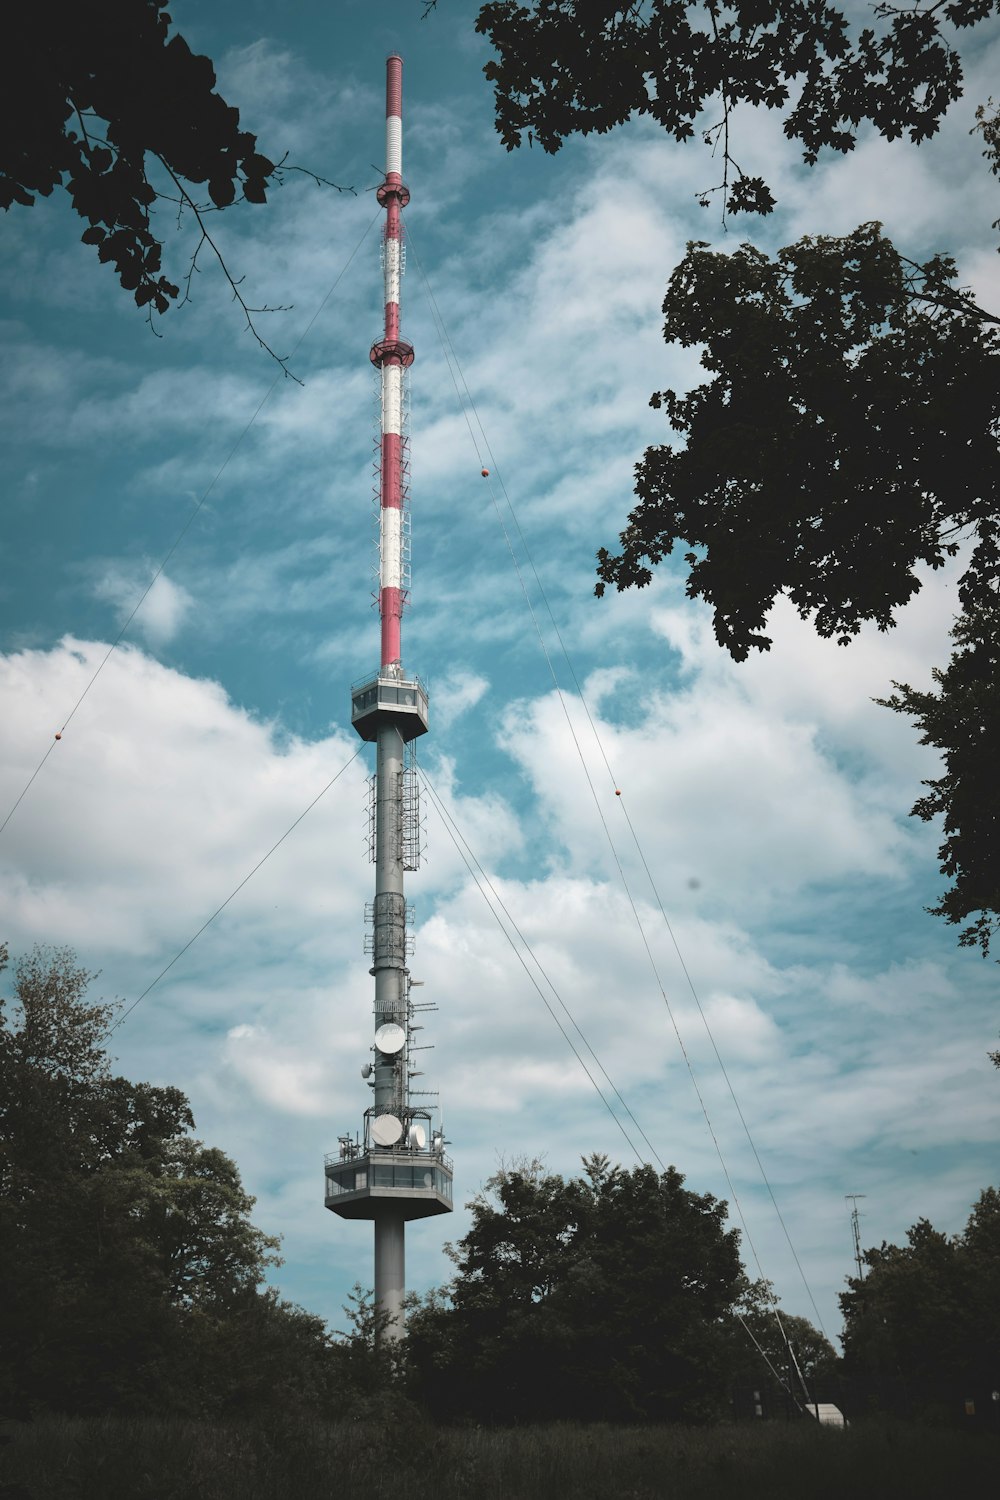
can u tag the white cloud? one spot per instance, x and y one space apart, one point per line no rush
284 1078
814 680
484 823
459 692
165 401
159 797
755 808
163 610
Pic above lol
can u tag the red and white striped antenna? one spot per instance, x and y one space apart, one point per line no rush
392 355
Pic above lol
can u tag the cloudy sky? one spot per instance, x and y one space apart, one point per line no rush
768 801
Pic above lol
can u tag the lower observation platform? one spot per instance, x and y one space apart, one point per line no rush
362 1187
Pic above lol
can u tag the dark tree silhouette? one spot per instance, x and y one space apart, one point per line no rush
962 720
924 1318
605 1297
132 1272
568 66
102 101
847 434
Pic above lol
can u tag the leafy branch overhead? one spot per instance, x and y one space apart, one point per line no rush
846 437
101 101
567 66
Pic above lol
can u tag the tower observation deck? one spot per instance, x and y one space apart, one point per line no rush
395 1169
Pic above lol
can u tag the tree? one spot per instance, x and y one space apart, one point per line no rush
962 720
769 1342
259 1356
849 432
923 1322
846 436
567 66
102 101
132 1272
604 1297
988 126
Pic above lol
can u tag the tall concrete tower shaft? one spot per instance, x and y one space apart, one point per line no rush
397 1169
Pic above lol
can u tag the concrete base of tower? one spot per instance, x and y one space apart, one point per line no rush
390 1269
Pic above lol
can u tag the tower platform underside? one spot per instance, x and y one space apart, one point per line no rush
386 699
410 1184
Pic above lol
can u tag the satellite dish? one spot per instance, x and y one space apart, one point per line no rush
390 1038
416 1136
366 1070
386 1130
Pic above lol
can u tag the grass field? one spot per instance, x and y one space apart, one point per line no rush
144 1459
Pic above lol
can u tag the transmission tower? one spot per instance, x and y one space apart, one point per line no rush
395 1169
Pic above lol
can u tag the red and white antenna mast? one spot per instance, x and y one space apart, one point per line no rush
392 356
397 1170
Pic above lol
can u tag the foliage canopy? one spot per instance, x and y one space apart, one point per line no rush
847 435
925 1314
568 66
605 1297
133 1274
962 720
90 95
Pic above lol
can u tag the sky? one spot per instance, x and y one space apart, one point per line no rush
775 886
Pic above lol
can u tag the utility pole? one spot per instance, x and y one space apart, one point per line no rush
856 1227
396 1169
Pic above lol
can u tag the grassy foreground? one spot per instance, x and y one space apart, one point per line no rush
147 1459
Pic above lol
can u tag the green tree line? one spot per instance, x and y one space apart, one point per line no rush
618 1295
134 1278
922 1324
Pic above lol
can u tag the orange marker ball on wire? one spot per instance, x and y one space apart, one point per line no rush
58 734
617 792
485 473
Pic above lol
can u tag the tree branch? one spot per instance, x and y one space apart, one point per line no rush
282 166
187 200
951 300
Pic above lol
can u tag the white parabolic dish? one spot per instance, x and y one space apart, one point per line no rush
390 1038
386 1130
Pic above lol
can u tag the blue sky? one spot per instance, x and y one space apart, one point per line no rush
770 799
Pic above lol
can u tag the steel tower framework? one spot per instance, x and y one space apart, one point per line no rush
396 1168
